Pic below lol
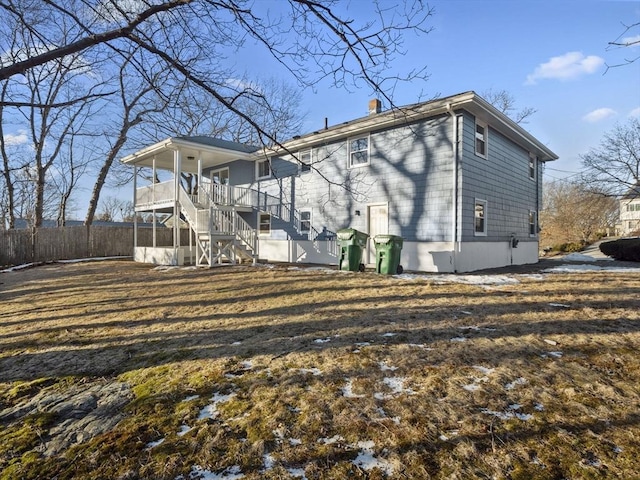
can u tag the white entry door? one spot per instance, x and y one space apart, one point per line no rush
378 224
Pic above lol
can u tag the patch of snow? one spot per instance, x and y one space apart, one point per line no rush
561 305
538 407
617 449
322 340
247 365
331 440
189 398
155 444
451 433
465 312
552 354
269 461
507 415
458 339
384 367
591 268
211 410
515 406
389 334
396 385
472 387
419 345
485 370
367 460
294 442
20 267
479 280
297 473
347 390
363 344
516 382
184 429
236 343
313 371
578 257
231 473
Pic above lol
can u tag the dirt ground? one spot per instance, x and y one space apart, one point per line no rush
114 369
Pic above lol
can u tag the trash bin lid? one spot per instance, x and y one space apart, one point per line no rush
384 239
345 233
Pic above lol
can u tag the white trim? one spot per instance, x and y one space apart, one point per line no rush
484 203
218 170
349 152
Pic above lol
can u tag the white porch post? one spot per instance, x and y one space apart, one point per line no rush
135 215
177 168
153 182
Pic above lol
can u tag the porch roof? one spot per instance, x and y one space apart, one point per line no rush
213 151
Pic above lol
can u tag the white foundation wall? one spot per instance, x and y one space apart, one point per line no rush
164 255
416 256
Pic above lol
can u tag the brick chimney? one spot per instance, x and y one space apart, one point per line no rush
375 106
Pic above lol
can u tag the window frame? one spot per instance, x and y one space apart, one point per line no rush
308 221
533 225
304 167
484 138
533 166
351 152
476 203
260 223
266 161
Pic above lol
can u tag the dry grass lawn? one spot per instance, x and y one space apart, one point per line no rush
259 373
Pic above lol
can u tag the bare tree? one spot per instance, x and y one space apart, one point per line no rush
505 102
573 213
614 167
625 40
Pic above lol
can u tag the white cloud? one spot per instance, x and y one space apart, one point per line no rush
565 67
635 112
15 138
599 114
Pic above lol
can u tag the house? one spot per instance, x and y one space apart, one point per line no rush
630 212
457 179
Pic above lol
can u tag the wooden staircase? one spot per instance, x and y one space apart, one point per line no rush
221 233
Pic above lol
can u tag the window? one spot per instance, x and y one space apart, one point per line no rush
265 223
533 224
533 160
263 169
359 152
480 217
305 221
481 139
305 161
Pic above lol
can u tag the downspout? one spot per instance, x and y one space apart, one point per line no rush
135 213
455 152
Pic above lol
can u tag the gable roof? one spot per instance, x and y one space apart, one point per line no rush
469 101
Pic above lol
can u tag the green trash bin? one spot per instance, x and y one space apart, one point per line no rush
388 249
352 242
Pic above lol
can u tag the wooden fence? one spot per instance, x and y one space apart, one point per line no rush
22 246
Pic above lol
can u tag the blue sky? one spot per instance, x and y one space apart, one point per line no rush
550 55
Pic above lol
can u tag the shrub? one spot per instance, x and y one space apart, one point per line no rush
569 247
622 249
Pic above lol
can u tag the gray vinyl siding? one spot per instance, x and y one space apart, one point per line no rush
502 180
410 168
241 172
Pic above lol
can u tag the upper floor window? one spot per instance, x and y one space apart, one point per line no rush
533 161
305 161
480 218
481 139
359 152
263 169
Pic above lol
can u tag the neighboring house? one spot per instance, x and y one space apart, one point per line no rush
457 179
630 211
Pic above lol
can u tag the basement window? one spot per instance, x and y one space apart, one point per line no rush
481 139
